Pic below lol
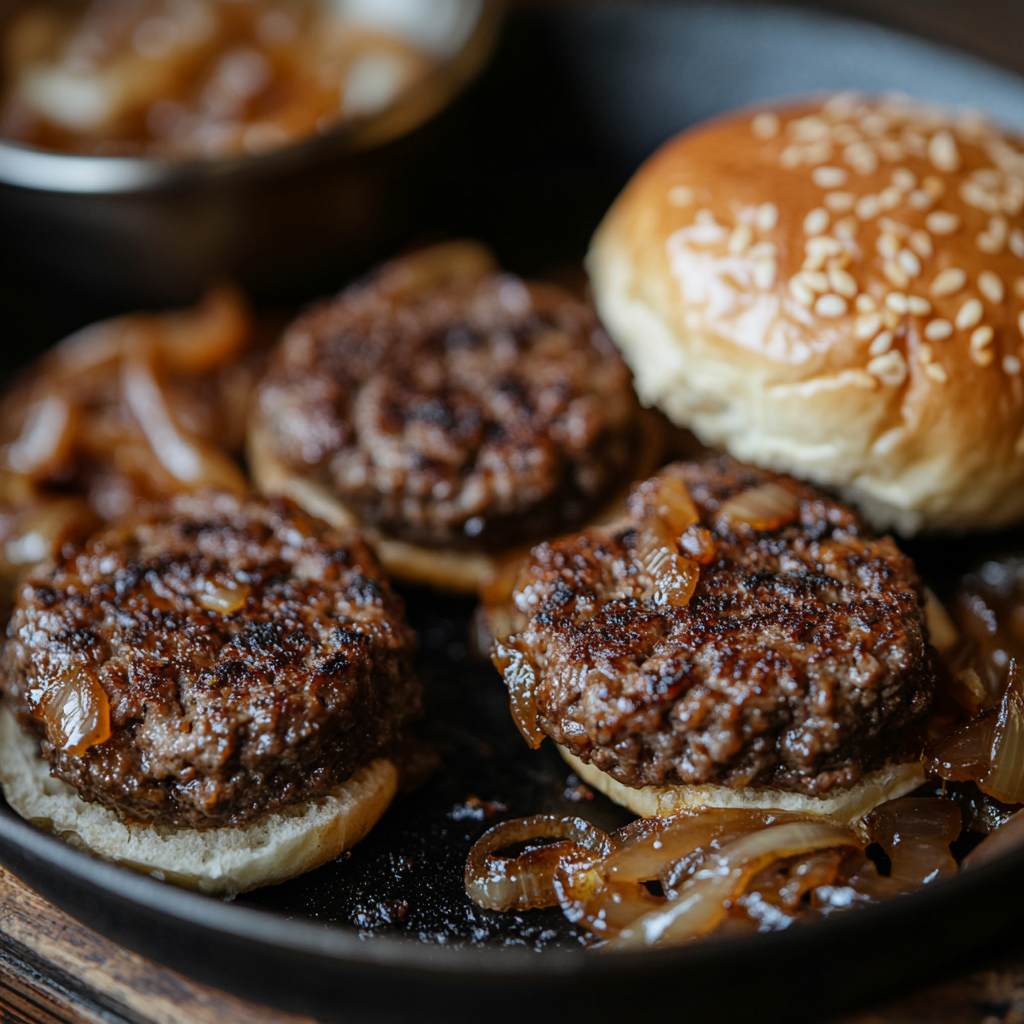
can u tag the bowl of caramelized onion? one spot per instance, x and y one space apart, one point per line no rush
155 147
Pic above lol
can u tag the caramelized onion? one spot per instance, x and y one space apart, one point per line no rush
224 600
699 906
916 832
767 507
671 513
203 339
521 679
528 880
76 713
1009 836
46 438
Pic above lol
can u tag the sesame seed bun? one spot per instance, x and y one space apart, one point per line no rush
846 805
220 861
444 569
835 290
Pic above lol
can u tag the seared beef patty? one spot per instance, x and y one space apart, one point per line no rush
800 662
210 660
471 412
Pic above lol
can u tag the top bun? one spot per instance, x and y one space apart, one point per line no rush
835 290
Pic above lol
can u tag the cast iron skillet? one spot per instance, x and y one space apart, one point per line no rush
575 100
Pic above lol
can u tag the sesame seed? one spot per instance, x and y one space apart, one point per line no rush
818 152
1011 365
943 153
868 207
740 239
897 302
982 336
919 199
808 129
1017 243
991 286
989 243
816 221
841 105
867 326
891 319
904 179
891 150
792 156
846 134
982 356
938 330
861 157
987 177
846 228
766 125
816 280
680 195
918 305
970 314
942 222
866 304
910 263
764 273
801 292
890 197
829 177
830 306
890 368
762 250
843 282
936 187
881 344
874 124
895 274
767 216
936 373
839 202
925 354
921 243
949 281
888 245
980 198
824 244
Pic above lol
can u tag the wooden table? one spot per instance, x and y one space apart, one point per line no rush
52 969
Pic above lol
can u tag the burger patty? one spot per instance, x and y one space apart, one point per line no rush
209 660
800 661
473 414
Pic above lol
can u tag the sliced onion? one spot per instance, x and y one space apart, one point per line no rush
916 832
1005 779
438 265
767 507
40 530
675 578
520 676
701 903
1009 836
203 339
224 600
46 438
674 506
528 880
76 712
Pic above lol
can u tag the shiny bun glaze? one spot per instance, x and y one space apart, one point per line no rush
835 290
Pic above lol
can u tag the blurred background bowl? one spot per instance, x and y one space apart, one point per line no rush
138 231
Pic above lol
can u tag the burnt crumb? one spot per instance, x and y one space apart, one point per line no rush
474 414
800 662
215 716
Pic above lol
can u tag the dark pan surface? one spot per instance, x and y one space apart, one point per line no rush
573 102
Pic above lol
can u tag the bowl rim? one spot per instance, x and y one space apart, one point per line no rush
43 170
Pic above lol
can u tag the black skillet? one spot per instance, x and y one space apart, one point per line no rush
576 98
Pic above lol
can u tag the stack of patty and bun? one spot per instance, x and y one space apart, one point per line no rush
834 291
452 411
218 688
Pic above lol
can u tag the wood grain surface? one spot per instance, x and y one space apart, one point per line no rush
55 971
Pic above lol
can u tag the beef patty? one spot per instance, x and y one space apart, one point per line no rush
467 409
210 660
800 661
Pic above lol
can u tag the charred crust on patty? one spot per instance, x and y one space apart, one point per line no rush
251 658
471 414
800 662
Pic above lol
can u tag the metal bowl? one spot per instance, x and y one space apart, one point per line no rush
138 230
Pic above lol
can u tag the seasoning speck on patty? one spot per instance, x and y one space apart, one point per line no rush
210 659
738 628
453 406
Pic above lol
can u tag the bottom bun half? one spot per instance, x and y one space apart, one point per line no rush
845 805
219 861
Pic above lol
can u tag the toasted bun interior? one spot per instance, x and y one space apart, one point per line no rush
219 861
845 805
835 290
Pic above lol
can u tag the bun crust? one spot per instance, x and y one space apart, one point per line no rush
835 290
221 861
846 805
